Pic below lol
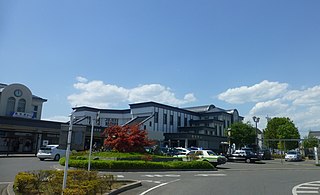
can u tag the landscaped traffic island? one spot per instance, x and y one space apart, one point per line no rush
133 161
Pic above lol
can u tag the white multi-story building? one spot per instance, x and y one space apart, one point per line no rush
202 126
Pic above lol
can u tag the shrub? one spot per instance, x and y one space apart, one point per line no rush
123 165
78 182
23 182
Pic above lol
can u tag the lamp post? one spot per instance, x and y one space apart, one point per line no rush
256 120
229 140
91 137
64 184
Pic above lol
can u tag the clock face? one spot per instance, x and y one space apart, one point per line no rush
18 93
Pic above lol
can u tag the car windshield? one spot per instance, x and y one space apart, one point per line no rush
211 153
292 152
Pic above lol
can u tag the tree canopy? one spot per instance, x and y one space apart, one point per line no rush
310 141
242 134
126 138
281 128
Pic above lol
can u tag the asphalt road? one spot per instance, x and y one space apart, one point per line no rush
272 177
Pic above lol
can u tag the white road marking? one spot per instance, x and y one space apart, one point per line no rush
158 186
120 176
5 182
161 175
172 175
210 175
307 188
310 188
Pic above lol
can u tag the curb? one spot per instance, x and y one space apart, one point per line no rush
130 186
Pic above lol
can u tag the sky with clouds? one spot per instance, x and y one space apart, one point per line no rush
261 58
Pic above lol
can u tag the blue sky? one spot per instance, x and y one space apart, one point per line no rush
260 57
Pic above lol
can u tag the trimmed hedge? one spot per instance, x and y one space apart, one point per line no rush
138 165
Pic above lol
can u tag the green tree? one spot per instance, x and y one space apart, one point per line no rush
242 134
310 141
281 128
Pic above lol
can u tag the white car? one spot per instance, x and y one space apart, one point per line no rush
207 155
180 152
293 156
51 152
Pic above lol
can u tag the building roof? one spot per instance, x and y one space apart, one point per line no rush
2 86
137 121
314 133
159 105
115 111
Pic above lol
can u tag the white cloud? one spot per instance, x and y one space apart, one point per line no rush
258 92
99 94
274 99
81 79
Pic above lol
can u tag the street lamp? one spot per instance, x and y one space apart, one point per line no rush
229 140
256 120
65 174
91 137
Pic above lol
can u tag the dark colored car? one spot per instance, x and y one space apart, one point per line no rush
265 154
244 155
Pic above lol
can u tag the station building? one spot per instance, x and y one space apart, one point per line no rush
23 131
21 127
200 126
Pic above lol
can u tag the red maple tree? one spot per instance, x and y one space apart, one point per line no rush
126 138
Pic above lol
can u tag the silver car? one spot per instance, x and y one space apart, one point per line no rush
293 156
51 152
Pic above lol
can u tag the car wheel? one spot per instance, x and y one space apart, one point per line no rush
56 157
41 159
248 160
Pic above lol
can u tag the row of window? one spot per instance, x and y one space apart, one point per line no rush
11 104
165 119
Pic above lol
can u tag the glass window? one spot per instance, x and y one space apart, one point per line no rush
21 105
185 121
165 118
10 106
179 121
35 111
171 119
156 117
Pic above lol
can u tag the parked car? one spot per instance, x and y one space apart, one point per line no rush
207 155
244 155
180 152
51 152
293 156
265 154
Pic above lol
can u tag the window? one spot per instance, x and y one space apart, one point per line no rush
165 120
156 117
111 121
185 121
171 119
150 124
10 106
21 105
179 121
35 111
